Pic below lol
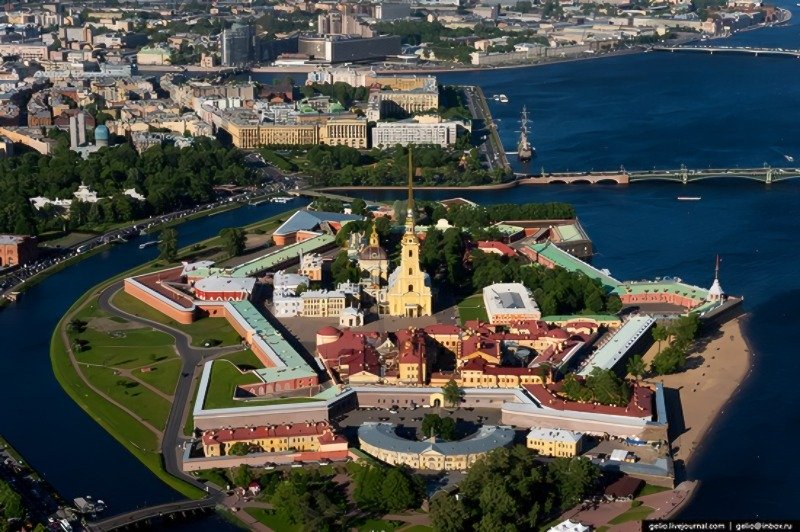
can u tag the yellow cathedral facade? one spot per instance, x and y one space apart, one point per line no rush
409 293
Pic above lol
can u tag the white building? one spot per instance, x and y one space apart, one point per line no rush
288 282
569 526
415 131
509 302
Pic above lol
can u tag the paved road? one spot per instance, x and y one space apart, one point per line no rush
192 359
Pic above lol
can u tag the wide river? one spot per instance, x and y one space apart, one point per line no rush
639 111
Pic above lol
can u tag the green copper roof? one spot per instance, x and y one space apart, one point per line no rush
563 259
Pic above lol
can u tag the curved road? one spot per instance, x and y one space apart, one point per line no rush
191 361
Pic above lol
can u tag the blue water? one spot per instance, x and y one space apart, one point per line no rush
56 437
638 111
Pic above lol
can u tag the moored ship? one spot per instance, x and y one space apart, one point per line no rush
525 150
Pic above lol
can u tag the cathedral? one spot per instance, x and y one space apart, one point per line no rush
409 293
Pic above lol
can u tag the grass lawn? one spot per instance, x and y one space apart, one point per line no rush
273 520
245 360
214 476
134 436
188 425
68 240
163 376
416 528
650 489
379 525
224 379
201 330
130 394
638 513
472 309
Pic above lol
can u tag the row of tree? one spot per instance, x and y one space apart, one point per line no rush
170 178
508 489
601 386
381 489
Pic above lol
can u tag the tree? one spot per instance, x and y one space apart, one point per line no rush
574 478
239 449
302 287
452 393
168 245
233 241
343 269
671 360
636 367
398 491
660 333
358 206
242 476
447 513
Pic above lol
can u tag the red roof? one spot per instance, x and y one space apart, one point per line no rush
640 405
321 428
493 246
329 330
442 328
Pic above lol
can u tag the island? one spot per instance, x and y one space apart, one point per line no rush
418 349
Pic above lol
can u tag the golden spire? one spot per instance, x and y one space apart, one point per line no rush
373 237
410 207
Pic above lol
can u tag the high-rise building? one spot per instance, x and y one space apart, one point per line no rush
237 45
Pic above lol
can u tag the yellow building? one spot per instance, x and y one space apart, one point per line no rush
381 441
409 291
344 132
323 303
555 442
335 131
308 437
373 260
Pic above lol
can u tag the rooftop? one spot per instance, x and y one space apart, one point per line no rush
563 259
218 283
383 436
560 435
311 220
625 338
508 297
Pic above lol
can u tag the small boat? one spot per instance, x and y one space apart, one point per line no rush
257 203
503 98
149 244
281 199
789 158
689 198
496 97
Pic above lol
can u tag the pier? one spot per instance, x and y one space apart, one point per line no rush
747 50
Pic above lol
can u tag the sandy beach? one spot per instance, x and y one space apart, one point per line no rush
717 369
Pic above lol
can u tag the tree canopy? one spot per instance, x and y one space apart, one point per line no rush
169 178
491 495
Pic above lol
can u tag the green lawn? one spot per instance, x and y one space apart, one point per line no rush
188 426
650 489
224 379
378 525
416 528
472 309
163 376
245 360
638 513
144 403
201 330
273 520
134 436
214 476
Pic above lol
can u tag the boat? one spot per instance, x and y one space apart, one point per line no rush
281 199
525 150
496 97
502 98
789 158
257 202
689 198
149 244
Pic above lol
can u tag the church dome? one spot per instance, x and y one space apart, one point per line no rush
101 132
372 253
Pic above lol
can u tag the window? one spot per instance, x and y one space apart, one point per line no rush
411 288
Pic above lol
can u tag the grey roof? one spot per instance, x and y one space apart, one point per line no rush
310 220
623 340
383 436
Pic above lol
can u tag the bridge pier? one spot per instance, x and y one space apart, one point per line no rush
684 174
769 175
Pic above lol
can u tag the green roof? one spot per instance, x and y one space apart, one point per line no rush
563 259
569 233
273 258
507 229
576 317
289 364
667 286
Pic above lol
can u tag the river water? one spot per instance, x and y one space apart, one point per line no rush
639 111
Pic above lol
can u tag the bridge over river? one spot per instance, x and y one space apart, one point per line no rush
163 513
765 174
747 50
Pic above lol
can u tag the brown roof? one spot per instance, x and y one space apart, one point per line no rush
624 487
320 428
640 405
